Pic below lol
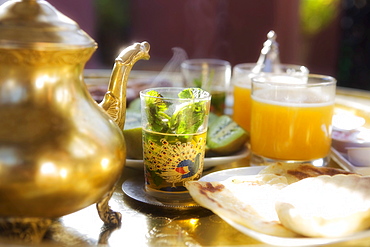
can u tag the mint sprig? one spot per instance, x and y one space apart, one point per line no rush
156 111
185 120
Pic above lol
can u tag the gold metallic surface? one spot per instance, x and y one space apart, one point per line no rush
37 24
59 151
114 101
29 230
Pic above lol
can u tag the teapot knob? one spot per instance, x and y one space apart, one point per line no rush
269 60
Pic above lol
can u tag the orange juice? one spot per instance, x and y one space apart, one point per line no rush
242 76
242 106
291 131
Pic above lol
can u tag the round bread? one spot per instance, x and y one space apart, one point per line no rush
326 206
294 172
246 200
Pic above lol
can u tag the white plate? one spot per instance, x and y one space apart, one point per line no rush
208 162
225 174
268 239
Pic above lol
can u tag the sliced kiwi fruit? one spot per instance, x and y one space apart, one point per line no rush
212 117
225 136
132 132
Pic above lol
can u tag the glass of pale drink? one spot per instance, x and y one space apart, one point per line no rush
241 81
291 118
174 129
212 75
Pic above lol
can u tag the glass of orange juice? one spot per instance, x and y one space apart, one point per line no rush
241 81
291 118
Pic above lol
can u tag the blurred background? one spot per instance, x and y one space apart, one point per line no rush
330 37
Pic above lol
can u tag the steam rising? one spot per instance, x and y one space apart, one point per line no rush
170 74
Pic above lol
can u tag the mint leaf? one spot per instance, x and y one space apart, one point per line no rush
190 116
185 120
156 112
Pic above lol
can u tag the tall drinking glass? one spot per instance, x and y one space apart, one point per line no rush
292 119
241 80
174 122
212 75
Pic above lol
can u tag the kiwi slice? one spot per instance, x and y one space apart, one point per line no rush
212 117
133 135
225 136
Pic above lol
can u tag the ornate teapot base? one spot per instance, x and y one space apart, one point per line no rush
33 229
30 230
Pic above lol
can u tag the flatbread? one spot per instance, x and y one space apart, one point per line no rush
296 172
248 201
326 206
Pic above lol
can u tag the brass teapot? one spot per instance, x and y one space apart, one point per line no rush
59 150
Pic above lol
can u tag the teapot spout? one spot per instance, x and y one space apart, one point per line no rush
114 101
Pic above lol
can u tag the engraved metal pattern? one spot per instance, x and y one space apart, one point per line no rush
40 57
30 230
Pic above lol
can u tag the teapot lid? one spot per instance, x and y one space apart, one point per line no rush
36 23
